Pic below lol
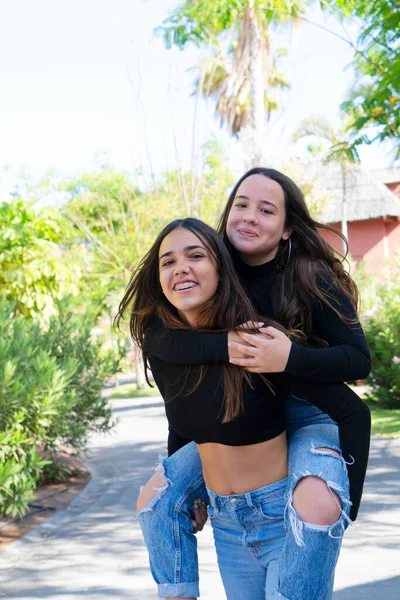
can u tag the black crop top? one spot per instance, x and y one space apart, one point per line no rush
198 415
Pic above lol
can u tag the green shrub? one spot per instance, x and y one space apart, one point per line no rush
382 328
69 335
20 469
35 269
50 394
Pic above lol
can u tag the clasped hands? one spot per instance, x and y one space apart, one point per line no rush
264 352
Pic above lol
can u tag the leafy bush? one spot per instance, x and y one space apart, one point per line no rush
50 394
35 271
382 328
20 469
69 336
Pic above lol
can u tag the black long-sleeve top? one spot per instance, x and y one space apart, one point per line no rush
196 412
347 357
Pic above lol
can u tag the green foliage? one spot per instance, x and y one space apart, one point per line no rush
385 422
55 471
102 198
201 22
198 22
34 271
50 394
203 195
368 285
334 143
113 222
382 328
20 468
374 103
69 340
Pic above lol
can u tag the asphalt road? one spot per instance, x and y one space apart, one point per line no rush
94 549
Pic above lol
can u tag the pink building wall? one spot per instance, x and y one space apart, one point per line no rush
394 187
375 241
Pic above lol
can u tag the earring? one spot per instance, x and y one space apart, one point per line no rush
289 253
279 268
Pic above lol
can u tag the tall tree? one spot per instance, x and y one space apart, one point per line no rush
374 102
224 80
241 28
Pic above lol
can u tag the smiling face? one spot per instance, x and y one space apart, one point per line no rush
256 221
188 273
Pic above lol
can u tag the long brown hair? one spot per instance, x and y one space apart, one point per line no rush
226 310
313 264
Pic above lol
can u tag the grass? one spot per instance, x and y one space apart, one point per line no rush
385 422
129 390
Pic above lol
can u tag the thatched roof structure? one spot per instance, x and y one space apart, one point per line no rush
366 197
386 175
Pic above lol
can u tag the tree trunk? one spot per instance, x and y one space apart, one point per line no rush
257 90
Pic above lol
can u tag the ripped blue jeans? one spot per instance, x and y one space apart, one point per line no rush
309 552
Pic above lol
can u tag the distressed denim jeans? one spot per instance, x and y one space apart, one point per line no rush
309 552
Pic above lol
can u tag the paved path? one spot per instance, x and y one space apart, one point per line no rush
94 549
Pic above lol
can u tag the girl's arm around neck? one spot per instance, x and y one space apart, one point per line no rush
185 347
347 357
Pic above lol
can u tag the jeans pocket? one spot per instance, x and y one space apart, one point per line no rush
272 511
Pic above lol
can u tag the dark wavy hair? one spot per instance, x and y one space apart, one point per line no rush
226 310
314 269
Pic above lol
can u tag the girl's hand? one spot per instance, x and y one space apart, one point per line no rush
251 325
200 515
233 336
267 352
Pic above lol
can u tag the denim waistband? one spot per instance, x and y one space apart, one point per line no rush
264 494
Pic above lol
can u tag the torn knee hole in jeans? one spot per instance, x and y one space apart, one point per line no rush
296 524
155 492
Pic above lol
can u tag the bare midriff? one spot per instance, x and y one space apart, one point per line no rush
240 469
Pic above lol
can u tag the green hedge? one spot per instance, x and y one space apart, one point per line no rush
50 394
382 328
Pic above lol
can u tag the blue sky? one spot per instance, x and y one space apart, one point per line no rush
88 77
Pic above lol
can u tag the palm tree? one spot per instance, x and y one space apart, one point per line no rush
224 78
336 146
240 71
